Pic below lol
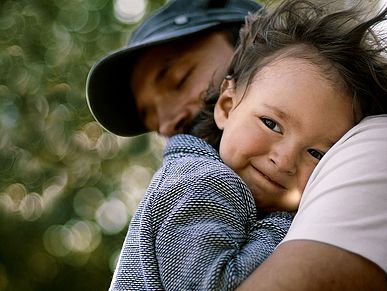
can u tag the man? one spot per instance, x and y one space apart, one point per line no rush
155 84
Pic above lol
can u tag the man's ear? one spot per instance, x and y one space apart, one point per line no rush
225 103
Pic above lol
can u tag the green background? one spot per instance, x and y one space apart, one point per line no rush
67 188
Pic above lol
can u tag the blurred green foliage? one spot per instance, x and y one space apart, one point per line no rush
67 188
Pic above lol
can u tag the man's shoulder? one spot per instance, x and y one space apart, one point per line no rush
373 128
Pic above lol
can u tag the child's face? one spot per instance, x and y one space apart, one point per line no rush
276 134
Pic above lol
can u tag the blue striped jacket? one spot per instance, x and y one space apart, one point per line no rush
197 226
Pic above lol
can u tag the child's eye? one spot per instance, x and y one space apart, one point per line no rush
316 154
271 124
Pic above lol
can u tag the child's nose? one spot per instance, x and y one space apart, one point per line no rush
284 157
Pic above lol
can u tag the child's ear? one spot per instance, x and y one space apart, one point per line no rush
225 103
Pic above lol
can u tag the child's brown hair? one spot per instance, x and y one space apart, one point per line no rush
344 45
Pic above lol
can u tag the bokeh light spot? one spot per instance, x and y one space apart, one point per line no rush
53 242
31 207
83 236
86 202
129 11
112 216
73 18
13 195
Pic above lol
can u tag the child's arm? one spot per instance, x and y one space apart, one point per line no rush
212 241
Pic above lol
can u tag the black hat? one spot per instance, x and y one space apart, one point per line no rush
107 89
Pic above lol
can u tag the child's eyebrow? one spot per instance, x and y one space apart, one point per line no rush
281 114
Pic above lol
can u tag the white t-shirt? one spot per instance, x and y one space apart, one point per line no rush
345 201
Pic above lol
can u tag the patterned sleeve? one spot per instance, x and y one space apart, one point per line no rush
211 239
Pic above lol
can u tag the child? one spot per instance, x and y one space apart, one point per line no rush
297 82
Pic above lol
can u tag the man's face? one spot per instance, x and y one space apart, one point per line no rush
167 80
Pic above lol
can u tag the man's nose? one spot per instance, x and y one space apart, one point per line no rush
285 159
170 125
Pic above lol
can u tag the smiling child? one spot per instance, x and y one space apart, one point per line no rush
221 201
